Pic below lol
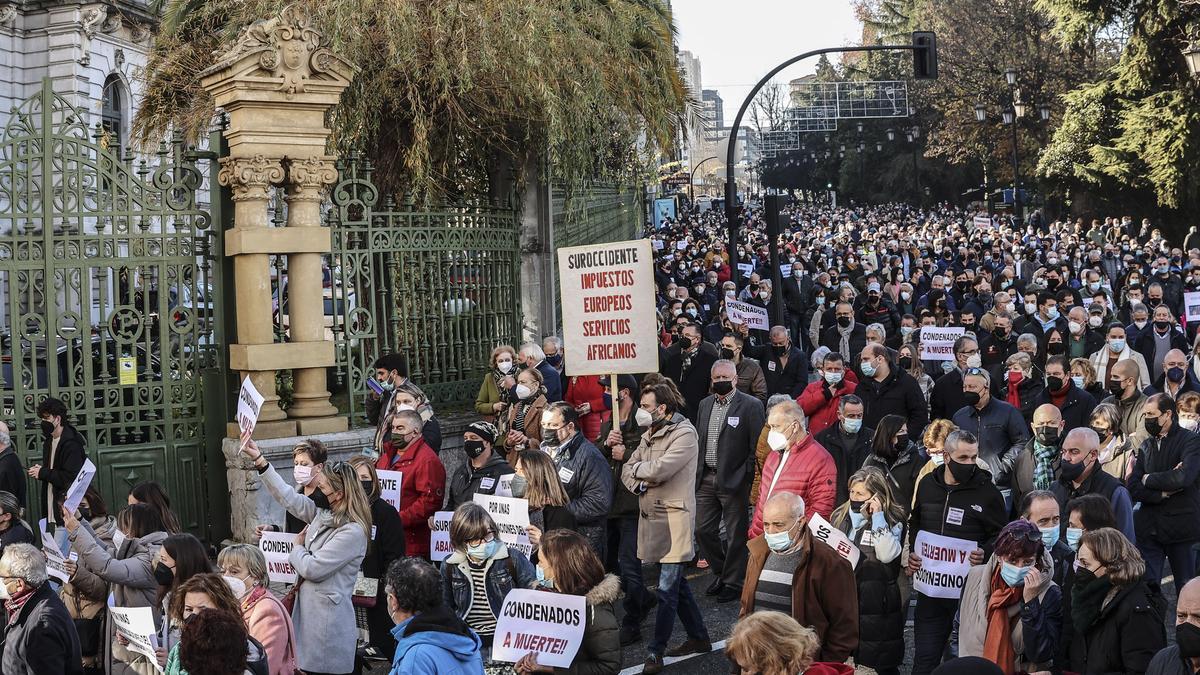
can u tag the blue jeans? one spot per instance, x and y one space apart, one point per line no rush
1155 552
675 596
933 621
637 598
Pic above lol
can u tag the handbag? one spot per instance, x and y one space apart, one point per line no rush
289 600
366 591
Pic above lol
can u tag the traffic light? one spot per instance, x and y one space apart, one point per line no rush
924 55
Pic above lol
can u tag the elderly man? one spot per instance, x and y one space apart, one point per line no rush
1177 378
424 478
1037 462
1075 404
750 374
997 425
1158 340
12 474
789 571
533 356
688 365
584 473
797 464
847 337
947 396
729 425
783 364
1129 399
821 397
887 389
1081 473
1183 657
40 636
848 442
1000 343
430 638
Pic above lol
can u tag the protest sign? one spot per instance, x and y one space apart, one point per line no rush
746 269
56 567
390 483
504 489
981 221
1191 306
835 538
136 624
663 209
608 311
658 244
79 486
276 548
547 624
945 562
249 404
512 517
937 344
752 316
439 536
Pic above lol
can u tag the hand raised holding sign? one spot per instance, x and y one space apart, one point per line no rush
529 664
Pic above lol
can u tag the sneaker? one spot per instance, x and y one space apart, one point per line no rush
653 664
691 646
630 635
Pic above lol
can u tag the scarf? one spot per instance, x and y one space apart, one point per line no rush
252 598
14 604
997 645
498 377
1014 394
1043 468
844 338
1087 598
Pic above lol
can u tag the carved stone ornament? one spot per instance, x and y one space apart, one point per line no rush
141 33
90 21
289 49
8 14
112 23
249 177
308 177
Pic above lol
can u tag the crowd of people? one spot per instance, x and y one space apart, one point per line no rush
1055 433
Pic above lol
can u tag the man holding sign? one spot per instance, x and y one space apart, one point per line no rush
955 504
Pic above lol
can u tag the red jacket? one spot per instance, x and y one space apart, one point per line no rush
809 472
421 490
586 389
822 412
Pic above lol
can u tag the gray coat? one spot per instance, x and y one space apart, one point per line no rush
327 562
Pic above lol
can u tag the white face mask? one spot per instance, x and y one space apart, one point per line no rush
302 474
1189 423
504 366
974 361
523 391
777 440
405 406
643 417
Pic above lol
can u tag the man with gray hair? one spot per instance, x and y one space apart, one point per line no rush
41 636
532 356
12 474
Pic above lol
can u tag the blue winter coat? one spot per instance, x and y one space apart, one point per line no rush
436 642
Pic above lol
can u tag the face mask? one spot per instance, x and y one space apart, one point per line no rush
1078 380
550 436
4 590
118 538
1073 536
1074 326
779 350
1095 321
302 474
1047 436
844 321
974 361
473 448
47 428
730 294
1054 383
1055 348
367 486
938 459
962 472
321 500
642 417
504 366
483 551
1116 345
832 378
852 426
779 541
691 311
856 519
1069 471
518 487
1162 326
1030 308
523 392
1153 426
777 440
685 343
1187 638
905 362
1049 536
387 385
1175 374
163 575
542 580
1013 575
905 296
947 366
868 369
901 442
85 513
236 585
727 353
1190 424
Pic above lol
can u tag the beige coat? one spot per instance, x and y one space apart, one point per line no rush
973 615
666 463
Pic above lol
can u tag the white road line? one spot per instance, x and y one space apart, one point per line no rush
636 670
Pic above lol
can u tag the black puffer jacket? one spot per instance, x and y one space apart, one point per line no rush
466 482
880 612
903 470
1126 635
972 510
898 394
600 653
1029 390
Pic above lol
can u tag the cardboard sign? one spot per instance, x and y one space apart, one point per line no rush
937 344
834 538
945 562
504 489
439 536
741 312
79 486
136 624
277 547
746 269
249 404
608 308
1191 306
390 483
663 209
512 517
547 624
127 367
657 244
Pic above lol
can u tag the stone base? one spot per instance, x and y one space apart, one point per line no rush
313 426
262 430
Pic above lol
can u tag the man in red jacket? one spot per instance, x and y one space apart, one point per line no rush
424 482
797 464
820 398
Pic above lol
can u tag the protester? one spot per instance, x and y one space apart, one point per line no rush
524 421
430 638
203 594
495 392
749 372
784 365
85 595
948 394
266 619
1130 401
390 370
898 457
153 494
212 645
1083 376
1022 387
63 456
585 394
533 357
180 557
821 399
1074 404
848 442
773 643
387 544
998 426
584 473
797 464
537 482
483 469
1183 657
13 477
1116 454
1036 464
763 448
13 530
689 366
874 521
424 478
308 460
888 390
39 636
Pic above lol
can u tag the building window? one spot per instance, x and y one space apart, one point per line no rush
112 115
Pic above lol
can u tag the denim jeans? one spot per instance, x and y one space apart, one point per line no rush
1155 553
675 596
637 598
933 621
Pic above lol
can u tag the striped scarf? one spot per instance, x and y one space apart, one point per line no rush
1043 468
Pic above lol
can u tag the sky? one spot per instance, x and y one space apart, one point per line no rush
739 41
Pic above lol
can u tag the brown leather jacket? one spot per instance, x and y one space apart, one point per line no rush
532 430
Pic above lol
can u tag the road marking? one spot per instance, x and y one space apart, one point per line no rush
635 670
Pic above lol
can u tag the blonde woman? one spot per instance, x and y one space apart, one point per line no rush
874 521
265 616
772 643
537 481
1083 374
933 440
909 363
327 556
494 393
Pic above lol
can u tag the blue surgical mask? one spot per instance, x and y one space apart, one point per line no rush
483 551
852 426
1052 314
833 378
1117 344
1073 536
542 580
1013 575
779 541
856 519
1078 380
1049 536
868 369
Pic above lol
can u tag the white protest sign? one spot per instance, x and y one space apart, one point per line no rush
249 404
389 486
937 344
547 624
945 562
504 489
512 517
439 536
753 317
835 538
658 244
136 624
79 486
276 547
55 562
746 269
608 308
981 221
1191 306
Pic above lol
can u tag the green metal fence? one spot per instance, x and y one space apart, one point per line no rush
441 286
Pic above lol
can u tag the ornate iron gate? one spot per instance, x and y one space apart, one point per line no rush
441 286
105 300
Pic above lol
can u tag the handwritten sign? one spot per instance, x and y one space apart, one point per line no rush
547 624
834 538
249 405
79 486
937 344
945 562
752 316
389 486
512 519
277 547
746 269
439 536
608 308
136 624
981 221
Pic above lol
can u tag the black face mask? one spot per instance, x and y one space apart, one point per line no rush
1055 348
901 442
972 397
843 321
1047 436
85 513
163 575
473 448
367 486
1054 383
320 500
1162 325
962 473
856 506
1187 638
1000 333
1116 388
727 353
685 343
722 388
1071 472
47 428
905 362
1153 426
779 350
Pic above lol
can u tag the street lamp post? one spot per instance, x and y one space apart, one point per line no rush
692 178
1192 56
1011 116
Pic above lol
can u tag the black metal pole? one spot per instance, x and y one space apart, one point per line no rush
1016 173
772 207
692 179
730 186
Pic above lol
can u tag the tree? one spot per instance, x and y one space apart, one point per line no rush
449 95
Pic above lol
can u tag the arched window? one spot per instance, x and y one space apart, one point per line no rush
112 114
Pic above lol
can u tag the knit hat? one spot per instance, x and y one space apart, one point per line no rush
484 430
